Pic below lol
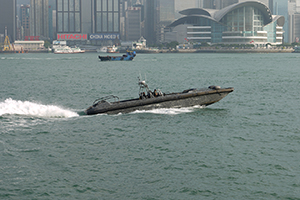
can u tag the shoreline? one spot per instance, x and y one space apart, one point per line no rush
183 51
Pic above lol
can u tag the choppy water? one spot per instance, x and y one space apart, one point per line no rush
244 147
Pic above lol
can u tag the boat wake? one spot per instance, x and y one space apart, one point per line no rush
26 108
169 111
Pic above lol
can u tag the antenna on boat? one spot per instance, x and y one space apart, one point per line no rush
143 85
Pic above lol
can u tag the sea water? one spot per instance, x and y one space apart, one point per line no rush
244 147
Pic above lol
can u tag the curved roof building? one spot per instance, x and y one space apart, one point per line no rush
249 22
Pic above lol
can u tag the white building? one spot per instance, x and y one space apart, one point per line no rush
29 45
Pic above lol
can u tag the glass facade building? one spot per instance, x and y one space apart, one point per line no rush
39 18
107 16
24 18
68 16
242 23
83 21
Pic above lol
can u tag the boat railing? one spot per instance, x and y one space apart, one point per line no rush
106 98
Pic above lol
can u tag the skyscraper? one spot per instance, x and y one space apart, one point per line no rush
167 10
107 16
76 19
151 21
208 4
294 20
39 23
133 30
68 18
8 18
25 20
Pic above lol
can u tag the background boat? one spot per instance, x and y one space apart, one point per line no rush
68 50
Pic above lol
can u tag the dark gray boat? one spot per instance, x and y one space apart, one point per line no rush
149 100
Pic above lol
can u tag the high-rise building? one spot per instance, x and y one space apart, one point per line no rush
8 18
107 16
167 10
207 4
39 22
68 16
271 6
78 19
50 22
219 4
133 29
25 20
294 20
151 21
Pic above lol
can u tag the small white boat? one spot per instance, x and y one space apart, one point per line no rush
112 49
67 50
102 50
77 50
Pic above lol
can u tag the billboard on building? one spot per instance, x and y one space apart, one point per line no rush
32 38
71 36
104 36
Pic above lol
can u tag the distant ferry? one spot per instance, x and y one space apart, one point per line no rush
67 50
296 49
112 49
102 50
109 49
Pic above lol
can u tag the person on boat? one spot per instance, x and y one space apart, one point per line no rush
143 95
155 93
150 94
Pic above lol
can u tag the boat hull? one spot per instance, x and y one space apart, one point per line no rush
175 100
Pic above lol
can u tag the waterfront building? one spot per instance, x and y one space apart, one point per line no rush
33 45
8 19
248 22
39 23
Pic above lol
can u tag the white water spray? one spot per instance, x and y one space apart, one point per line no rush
169 111
13 107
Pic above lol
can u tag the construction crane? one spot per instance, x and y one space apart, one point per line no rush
7 46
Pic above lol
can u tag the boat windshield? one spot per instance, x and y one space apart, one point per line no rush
106 98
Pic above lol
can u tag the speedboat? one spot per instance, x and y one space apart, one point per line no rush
149 100
126 57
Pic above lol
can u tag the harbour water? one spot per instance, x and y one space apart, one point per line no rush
244 147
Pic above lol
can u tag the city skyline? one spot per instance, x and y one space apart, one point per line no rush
279 8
